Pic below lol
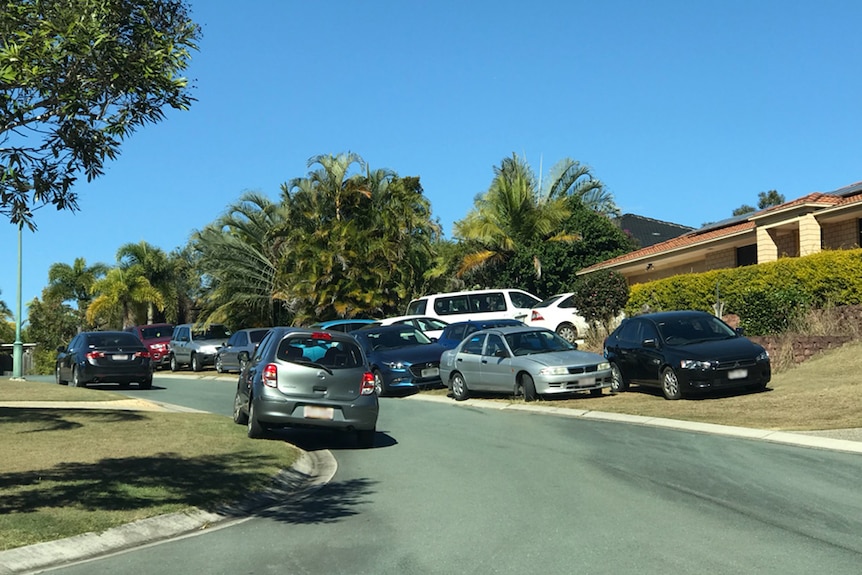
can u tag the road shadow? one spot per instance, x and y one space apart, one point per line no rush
326 439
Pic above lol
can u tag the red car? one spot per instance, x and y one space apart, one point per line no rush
156 337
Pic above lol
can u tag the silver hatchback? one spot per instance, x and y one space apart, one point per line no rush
301 377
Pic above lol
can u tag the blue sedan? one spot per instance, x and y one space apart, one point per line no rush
402 358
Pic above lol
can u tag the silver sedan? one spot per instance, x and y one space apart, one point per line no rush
524 361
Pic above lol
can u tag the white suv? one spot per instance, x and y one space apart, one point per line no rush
196 347
475 305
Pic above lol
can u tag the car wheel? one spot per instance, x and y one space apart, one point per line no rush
255 429
568 332
196 363
60 381
618 384
459 387
365 437
670 384
528 387
76 379
239 416
147 383
379 387
218 365
174 365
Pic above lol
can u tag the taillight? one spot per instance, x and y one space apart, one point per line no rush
142 354
322 335
95 354
536 316
367 387
270 375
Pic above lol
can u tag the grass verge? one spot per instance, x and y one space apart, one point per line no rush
72 471
822 393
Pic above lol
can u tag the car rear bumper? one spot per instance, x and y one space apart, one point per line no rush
360 414
94 373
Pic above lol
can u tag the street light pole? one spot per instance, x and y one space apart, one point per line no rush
18 346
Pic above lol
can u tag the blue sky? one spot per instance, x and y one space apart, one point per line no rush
684 109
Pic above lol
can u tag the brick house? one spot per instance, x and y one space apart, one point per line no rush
807 225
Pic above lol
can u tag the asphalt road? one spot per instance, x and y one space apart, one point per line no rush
454 489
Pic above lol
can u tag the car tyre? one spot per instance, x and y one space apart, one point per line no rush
255 429
670 384
379 387
218 365
618 383
196 362
174 365
60 381
365 437
76 379
459 387
528 387
147 383
568 332
239 416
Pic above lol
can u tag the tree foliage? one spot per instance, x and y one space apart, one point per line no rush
764 200
52 323
76 78
601 296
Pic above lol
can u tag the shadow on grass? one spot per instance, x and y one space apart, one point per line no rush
134 482
58 420
707 395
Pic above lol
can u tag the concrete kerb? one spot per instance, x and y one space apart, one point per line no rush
802 439
309 473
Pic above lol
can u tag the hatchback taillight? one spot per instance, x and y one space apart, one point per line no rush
143 354
270 375
367 387
536 316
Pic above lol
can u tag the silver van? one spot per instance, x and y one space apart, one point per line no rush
475 305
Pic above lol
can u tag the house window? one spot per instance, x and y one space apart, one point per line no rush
746 255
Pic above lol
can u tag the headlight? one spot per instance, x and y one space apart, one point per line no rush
763 356
394 365
556 370
695 364
603 366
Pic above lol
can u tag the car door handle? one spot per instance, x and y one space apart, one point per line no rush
484 361
459 359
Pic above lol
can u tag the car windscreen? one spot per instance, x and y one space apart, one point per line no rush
156 332
392 339
320 350
687 330
539 341
113 340
212 332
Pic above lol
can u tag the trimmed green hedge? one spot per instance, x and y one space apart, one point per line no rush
766 297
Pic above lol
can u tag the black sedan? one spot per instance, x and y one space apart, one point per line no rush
402 358
684 352
104 356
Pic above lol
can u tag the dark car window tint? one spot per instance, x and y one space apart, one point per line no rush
451 305
321 350
630 332
648 331
494 344
123 339
487 302
154 332
212 332
257 336
457 332
522 300
417 307
568 303
474 344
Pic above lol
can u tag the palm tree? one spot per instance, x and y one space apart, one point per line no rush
153 263
117 294
74 283
358 239
239 257
518 211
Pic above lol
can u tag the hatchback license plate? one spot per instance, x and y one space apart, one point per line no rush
313 412
737 374
120 357
431 372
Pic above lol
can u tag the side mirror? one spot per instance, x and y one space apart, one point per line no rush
650 343
501 353
575 344
739 331
60 349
